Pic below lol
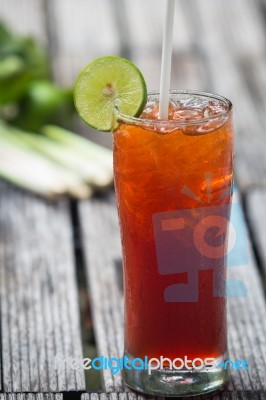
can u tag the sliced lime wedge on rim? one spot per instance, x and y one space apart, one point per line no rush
104 83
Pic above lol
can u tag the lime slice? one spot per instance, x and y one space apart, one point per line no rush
105 82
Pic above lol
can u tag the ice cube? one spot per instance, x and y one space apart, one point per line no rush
195 102
213 110
185 114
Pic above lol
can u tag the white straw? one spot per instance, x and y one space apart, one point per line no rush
166 59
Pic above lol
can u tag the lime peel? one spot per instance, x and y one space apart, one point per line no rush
104 83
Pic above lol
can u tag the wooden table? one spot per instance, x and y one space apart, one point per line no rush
219 46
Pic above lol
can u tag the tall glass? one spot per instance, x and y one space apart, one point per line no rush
173 182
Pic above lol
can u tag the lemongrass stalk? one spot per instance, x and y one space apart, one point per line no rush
23 170
84 146
31 171
64 156
68 158
88 151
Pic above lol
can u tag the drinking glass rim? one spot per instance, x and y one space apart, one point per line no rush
163 122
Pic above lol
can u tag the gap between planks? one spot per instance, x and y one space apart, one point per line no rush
31 396
38 291
255 204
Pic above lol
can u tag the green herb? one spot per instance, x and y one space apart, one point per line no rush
55 161
48 167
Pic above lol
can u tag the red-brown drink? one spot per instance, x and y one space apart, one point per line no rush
173 183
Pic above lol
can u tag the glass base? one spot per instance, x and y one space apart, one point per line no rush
183 382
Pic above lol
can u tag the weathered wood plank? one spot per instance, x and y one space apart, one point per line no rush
255 202
31 396
116 396
82 31
145 24
1 370
226 395
24 17
218 30
239 395
99 225
246 315
39 304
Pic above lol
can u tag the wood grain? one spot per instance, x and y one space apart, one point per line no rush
38 292
255 202
102 251
31 396
24 17
220 30
237 395
80 31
